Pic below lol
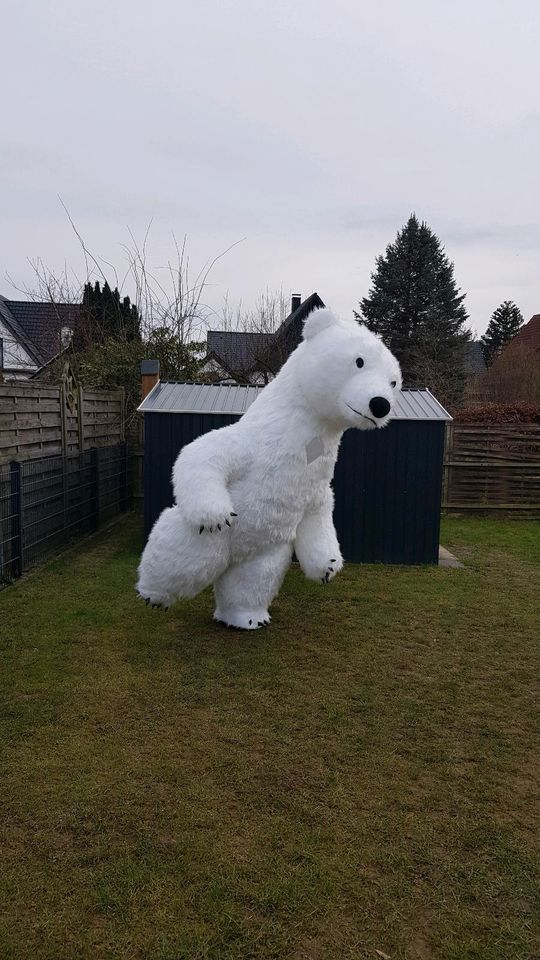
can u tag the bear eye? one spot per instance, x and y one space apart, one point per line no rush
393 383
359 362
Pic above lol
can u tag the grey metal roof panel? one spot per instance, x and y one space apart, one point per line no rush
418 405
171 397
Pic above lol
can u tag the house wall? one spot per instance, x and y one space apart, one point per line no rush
16 362
211 366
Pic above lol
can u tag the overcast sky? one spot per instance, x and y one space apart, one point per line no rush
312 129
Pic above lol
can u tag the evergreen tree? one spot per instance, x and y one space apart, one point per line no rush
417 309
505 322
109 314
130 319
104 316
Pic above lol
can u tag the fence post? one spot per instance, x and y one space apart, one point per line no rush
95 464
122 415
16 506
80 417
63 419
124 496
447 459
65 483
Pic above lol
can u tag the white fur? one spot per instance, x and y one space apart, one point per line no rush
259 469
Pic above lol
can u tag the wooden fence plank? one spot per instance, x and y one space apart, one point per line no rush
493 467
36 420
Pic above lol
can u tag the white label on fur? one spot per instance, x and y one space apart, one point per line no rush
314 449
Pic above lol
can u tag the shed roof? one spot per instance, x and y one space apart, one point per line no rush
176 397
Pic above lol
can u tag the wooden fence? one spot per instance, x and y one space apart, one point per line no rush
492 467
40 420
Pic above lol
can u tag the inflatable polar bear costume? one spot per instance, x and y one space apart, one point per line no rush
246 495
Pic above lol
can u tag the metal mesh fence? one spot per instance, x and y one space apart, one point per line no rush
48 502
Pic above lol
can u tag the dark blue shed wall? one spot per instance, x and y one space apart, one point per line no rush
164 436
387 484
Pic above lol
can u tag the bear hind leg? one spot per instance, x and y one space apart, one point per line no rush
245 591
178 562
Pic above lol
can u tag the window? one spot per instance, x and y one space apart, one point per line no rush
66 335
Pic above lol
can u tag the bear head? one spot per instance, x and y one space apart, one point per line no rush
347 374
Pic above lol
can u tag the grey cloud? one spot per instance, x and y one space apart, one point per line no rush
313 135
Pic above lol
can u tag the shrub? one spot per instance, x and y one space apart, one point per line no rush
519 412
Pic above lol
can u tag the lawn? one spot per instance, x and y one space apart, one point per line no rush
359 780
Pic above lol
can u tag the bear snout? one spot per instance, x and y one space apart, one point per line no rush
379 407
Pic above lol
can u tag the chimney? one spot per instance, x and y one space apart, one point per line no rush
296 300
149 376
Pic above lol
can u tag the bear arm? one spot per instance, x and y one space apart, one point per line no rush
200 477
316 544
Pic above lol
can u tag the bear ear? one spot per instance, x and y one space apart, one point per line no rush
318 321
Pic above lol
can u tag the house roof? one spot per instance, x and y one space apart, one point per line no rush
242 352
39 324
237 351
178 397
529 335
474 359
18 333
302 311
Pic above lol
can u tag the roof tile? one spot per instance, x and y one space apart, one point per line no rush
42 323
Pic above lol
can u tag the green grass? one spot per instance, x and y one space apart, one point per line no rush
360 777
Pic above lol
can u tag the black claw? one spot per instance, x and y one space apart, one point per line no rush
219 526
327 578
234 514
331 569
211 529
147 600
260 623
228 523
201 528
323 580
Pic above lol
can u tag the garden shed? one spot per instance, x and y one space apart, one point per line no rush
387 482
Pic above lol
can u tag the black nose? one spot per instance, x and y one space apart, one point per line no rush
379 406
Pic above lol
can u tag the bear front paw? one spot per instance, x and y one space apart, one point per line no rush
333 566
217 523
315 568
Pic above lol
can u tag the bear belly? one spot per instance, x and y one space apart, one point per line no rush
271 502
